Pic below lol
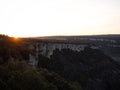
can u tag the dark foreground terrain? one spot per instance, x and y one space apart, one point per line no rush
65 69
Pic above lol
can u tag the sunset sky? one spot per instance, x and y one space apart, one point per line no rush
24 18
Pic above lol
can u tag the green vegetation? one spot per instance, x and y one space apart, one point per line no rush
91 68
16 75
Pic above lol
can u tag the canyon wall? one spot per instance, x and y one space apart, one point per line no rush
46 49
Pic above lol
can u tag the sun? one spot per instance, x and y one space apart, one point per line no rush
15 37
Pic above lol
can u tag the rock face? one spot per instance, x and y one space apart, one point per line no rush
110 47
46 49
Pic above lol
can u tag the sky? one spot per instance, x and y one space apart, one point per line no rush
24 18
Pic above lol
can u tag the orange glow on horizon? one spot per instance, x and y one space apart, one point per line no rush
15 39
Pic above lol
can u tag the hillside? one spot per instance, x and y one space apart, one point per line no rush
69 66
90 67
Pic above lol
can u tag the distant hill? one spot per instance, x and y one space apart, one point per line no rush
109 36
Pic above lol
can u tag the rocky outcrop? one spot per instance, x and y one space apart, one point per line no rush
46 49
